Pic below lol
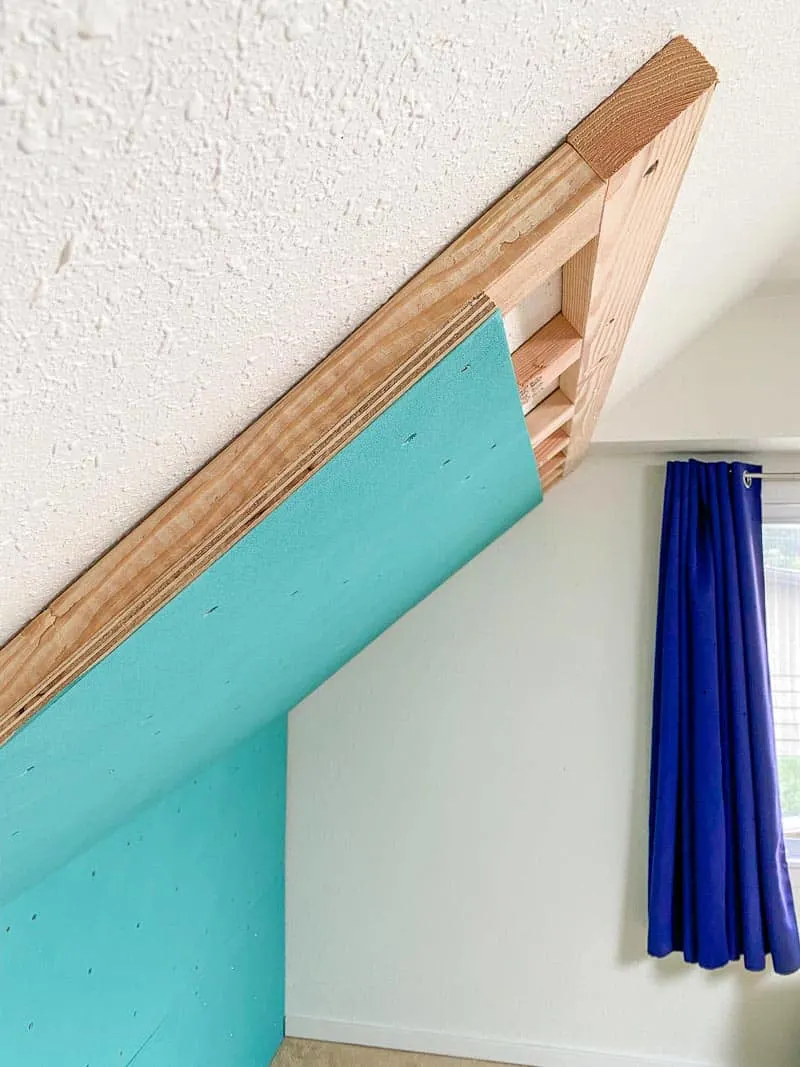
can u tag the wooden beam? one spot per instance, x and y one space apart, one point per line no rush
552 472
539 363
643 107
568 203
551 446
548 417
550 218
640 142
203 519
512 248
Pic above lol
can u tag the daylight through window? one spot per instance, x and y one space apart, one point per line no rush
782 574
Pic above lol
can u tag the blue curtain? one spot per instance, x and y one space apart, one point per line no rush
718 882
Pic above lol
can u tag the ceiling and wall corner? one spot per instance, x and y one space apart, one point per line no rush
733 387
201 200
784 275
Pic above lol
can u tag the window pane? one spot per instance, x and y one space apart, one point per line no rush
782 574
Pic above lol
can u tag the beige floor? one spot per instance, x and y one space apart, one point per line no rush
296 1053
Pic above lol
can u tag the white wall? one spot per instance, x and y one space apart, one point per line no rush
467 817
739 382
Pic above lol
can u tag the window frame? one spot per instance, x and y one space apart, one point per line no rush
780 504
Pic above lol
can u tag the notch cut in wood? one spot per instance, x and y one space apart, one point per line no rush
597 206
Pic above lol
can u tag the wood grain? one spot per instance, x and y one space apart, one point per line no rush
551 446
604 283
534 255
546 220
509 250
645 105
204 518
577 277
543 358
548 417
576 286
551 472
300 1052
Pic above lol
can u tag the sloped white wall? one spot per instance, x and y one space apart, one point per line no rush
739 382
467 829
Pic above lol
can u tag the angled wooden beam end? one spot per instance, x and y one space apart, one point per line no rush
639 142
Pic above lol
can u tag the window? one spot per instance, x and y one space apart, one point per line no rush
782 577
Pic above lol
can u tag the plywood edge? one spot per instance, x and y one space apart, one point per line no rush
540 224
194 527
520 240
642 107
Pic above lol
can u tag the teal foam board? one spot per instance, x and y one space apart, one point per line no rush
425 487
162 944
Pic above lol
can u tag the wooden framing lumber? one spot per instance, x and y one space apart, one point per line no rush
552 446
203 519
643 107
640 142
597 206
548 417
551 472
514 246
539 363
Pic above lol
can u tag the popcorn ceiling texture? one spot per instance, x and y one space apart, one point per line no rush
201 199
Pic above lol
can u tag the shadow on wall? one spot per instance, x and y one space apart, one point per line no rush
765 1028
633 923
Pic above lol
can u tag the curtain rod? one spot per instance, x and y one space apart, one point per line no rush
784 476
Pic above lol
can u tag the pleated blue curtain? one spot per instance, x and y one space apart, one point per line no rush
718 880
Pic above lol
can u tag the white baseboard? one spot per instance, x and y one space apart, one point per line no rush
470 1047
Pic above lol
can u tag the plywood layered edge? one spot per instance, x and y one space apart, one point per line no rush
206 517
557 212
517 243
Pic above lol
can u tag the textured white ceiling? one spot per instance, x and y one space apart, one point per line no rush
198 200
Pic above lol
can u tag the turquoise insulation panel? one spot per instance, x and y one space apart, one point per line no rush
163 943
425 487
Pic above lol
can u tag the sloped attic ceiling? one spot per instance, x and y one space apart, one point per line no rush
203 199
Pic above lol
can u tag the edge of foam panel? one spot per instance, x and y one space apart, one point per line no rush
433 480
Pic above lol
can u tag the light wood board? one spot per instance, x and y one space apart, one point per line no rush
604 284
598 204
540 362
548 417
